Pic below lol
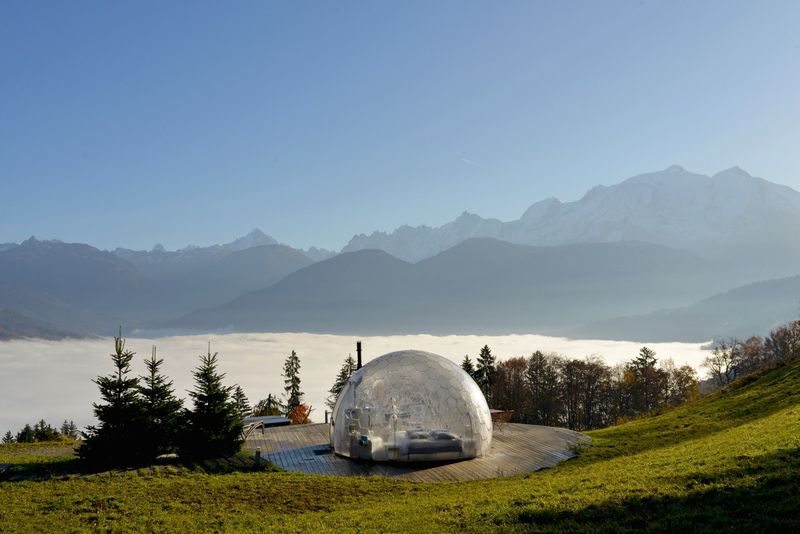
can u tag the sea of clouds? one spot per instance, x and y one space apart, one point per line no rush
53 379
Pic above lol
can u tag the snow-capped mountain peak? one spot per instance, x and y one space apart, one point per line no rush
712 216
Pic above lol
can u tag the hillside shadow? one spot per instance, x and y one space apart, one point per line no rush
74 467
761 495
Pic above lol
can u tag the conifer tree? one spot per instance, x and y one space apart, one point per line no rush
44 432
291 375
467 366
69 430
25 435
214 427
163 412
116 440
242 404
485 371
345 372
543 382
647 381
8 437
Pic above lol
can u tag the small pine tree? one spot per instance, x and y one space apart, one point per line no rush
347 369
214 427
485 371
117 440
291 375
25 435
44 432
8 437
242 404
467 366
163 412
69 430
645 360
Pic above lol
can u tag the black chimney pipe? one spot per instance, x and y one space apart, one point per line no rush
358 351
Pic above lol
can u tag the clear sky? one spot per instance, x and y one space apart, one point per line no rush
130 123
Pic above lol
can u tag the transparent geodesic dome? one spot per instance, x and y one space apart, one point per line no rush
411 406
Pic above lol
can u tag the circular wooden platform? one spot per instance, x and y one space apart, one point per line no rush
516 449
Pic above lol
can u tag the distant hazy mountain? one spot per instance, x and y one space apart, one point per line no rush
74 286
318 254
6 246
159 263
218 280
479 286
75 273
39 306
754 309
80 288
203 276
14 325
730 214
256 238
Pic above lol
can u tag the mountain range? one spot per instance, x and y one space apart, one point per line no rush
480 285
86 290
14 325
653 257
730 215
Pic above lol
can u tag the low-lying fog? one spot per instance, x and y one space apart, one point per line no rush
53 379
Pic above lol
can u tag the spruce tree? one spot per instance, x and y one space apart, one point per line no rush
25 435
8 437
117 439
242 404
69 430
291 375
645 388
345 372
542 380
485 371
44 432
467 366
214 427
163 412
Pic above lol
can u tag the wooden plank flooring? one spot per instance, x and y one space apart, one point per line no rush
516 449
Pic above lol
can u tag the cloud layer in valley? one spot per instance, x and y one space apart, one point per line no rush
53 379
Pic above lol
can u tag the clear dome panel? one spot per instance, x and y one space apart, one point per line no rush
411 406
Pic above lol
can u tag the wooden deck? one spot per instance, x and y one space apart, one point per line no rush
516 449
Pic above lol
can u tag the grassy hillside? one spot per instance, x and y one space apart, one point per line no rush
729 462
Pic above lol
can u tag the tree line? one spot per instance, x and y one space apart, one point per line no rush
140 418
581 394
733 358
584 394
43 431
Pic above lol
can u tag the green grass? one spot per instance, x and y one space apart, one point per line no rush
730 462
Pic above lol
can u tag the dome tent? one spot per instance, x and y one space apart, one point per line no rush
411 406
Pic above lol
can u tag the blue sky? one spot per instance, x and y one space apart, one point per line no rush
130 123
